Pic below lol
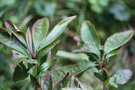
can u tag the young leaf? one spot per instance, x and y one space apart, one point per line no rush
13 29
33 71
112 53
56 32
117 40
43 69
44 51
39 31
90 37
105 75
20 72
48 82
6 40
121 77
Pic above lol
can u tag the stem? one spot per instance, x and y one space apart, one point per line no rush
105 87
38 86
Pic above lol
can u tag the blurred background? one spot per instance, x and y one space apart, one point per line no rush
108 16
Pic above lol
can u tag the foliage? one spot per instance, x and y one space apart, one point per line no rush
101 54
30 44
109 16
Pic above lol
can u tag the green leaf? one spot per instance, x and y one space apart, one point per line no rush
73 56
98 75
33 71
33 81
87 49
63 83
13 29
18 56
18 61
6 40
103 75
120 78
25 60
39 31
74 69
45 51
56 32
20 72
117 40
90 37
47 85
55 49
43 69
31 61
112 53
94 69
29 40
10 26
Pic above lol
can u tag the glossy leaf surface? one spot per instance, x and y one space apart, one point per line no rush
120 78
56 32
117 40
90 37
39 31
13 29
6 40
20 72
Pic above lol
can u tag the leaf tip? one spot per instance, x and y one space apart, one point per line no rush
72 17
6 21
